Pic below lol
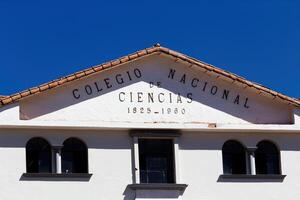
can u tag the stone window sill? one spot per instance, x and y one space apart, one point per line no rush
251 178
55 176
158 186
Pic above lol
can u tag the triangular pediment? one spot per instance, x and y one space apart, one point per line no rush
157 88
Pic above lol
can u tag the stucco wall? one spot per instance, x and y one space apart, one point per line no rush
110 162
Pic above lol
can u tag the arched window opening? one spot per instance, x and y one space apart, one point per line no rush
267 160
74 156
234 158
38 156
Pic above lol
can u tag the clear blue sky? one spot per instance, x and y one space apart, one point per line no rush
41 41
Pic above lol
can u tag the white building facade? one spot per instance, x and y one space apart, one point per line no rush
152 125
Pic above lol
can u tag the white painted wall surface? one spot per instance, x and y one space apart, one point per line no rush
200 163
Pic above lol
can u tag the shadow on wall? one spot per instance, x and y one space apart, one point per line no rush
215 141
151 71
121 139
93 139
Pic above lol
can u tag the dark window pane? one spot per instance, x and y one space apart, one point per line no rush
267 158
234 158
38 156
156 159
74 156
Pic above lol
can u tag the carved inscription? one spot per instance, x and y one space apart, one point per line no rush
207 88
171 103
107 83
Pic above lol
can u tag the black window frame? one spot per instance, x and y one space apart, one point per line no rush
34 153
234 157
267 158
79 162
169 157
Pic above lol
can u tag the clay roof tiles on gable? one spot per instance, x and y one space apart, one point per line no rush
140 54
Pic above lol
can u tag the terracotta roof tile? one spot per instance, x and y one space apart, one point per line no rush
89 71
140 54
62 81
16 96
79 74
6 100
71 78
97 68
106 65
124 59
34 90
53 84
133 56
25 93
115 62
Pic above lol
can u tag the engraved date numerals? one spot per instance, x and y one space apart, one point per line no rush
163 111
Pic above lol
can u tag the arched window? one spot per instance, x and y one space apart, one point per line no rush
74 156
267 160
38 156
234 158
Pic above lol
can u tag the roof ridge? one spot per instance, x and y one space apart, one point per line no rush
134 56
